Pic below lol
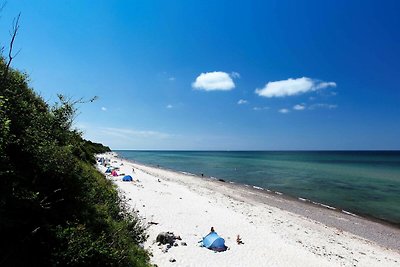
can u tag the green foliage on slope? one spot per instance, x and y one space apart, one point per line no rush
55 207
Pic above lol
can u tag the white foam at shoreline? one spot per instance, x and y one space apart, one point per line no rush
327 206
188 173
349 213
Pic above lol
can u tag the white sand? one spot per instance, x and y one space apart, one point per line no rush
186 206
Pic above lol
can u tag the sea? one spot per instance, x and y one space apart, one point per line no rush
366 183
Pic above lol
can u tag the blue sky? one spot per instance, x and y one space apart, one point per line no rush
219 75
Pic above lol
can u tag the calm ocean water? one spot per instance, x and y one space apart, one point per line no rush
362 182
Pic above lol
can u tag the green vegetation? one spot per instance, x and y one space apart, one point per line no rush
55 207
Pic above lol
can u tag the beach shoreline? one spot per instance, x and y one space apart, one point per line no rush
311 234
272 192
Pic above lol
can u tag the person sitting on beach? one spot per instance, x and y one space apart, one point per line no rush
239 240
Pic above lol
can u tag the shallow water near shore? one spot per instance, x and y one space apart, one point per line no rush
361 182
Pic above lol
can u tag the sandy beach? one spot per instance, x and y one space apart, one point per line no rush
275 230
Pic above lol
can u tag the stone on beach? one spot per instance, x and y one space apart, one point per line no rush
166 238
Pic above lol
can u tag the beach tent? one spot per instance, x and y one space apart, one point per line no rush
114 173
127 178
214 242
108 170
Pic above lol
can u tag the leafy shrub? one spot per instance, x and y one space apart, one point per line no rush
55 207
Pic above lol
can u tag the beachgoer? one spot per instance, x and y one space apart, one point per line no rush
239 240
212 230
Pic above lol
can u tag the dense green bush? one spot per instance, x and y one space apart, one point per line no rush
55 207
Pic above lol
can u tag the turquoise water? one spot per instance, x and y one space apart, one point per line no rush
362 182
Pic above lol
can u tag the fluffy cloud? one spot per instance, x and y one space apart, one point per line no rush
103 108
212 81
242 101
283 111
291 87
299 107
169 106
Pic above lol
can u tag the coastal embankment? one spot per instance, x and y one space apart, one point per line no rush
274 230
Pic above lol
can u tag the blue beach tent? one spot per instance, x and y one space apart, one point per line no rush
214 242
127 178
108 170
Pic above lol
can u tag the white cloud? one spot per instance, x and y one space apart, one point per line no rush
291 87
299 107
322 105
322 85
283 111
103 108
260 108
171 79
242 101
212 81
169 106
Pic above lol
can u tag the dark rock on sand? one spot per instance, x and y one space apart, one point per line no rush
167 238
